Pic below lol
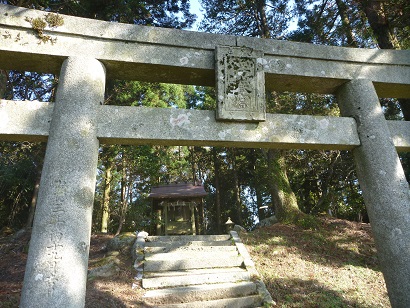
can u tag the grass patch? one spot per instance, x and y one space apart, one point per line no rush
332 265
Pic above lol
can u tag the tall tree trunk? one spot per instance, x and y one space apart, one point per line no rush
342 8
324 189
253 161
259 203
3 83
263 22
193 164
217 170
236 190
124 198
376 15
33 202
105 215
284 199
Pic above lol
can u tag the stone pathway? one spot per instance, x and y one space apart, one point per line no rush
199 271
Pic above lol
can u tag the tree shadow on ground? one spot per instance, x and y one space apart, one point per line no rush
335 243
110 292
97 298
306 294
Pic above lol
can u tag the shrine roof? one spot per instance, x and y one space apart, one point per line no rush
177 190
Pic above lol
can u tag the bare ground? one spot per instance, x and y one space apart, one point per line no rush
334 266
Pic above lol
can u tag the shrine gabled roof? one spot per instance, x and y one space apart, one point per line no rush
177 190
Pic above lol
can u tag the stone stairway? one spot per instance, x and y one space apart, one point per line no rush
199 271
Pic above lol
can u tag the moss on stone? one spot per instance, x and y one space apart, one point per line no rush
105 261
126 235
54 20
39 24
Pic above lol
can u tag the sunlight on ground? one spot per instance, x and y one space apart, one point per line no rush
318 268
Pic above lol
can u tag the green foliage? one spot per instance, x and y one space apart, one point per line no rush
307 222
323 22
246 18
170 13
134 93
30 86
18 171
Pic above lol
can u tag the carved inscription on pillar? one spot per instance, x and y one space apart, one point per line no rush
56 223
240 84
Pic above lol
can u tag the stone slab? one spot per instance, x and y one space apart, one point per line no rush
196 271
193 248
240 84
248 301
139 125
185 280
199 244
199 293
187 253
303 67
30 121
182 264
25 121
177 56
187 238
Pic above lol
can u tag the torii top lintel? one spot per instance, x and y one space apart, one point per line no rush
177 56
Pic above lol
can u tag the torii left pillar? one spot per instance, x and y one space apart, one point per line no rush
56 270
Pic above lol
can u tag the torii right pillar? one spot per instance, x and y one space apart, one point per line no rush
385 189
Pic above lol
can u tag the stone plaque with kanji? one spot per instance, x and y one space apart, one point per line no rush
240 84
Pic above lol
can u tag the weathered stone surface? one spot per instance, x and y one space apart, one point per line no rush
384 185
204 292
239 229
399 132
240 84
120 125
133 125
224 284
250 267
122 241
268 221
139 245
25 121
176 56
183 277
302 67
107 267
57 264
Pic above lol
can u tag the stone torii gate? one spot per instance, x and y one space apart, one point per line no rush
85 52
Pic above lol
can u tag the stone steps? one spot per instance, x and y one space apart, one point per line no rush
237 302
183 263
198 271
192 244
192 248
188 254
199 293
187 238
185 279
201 271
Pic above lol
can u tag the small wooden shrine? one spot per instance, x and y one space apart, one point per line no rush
179 208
